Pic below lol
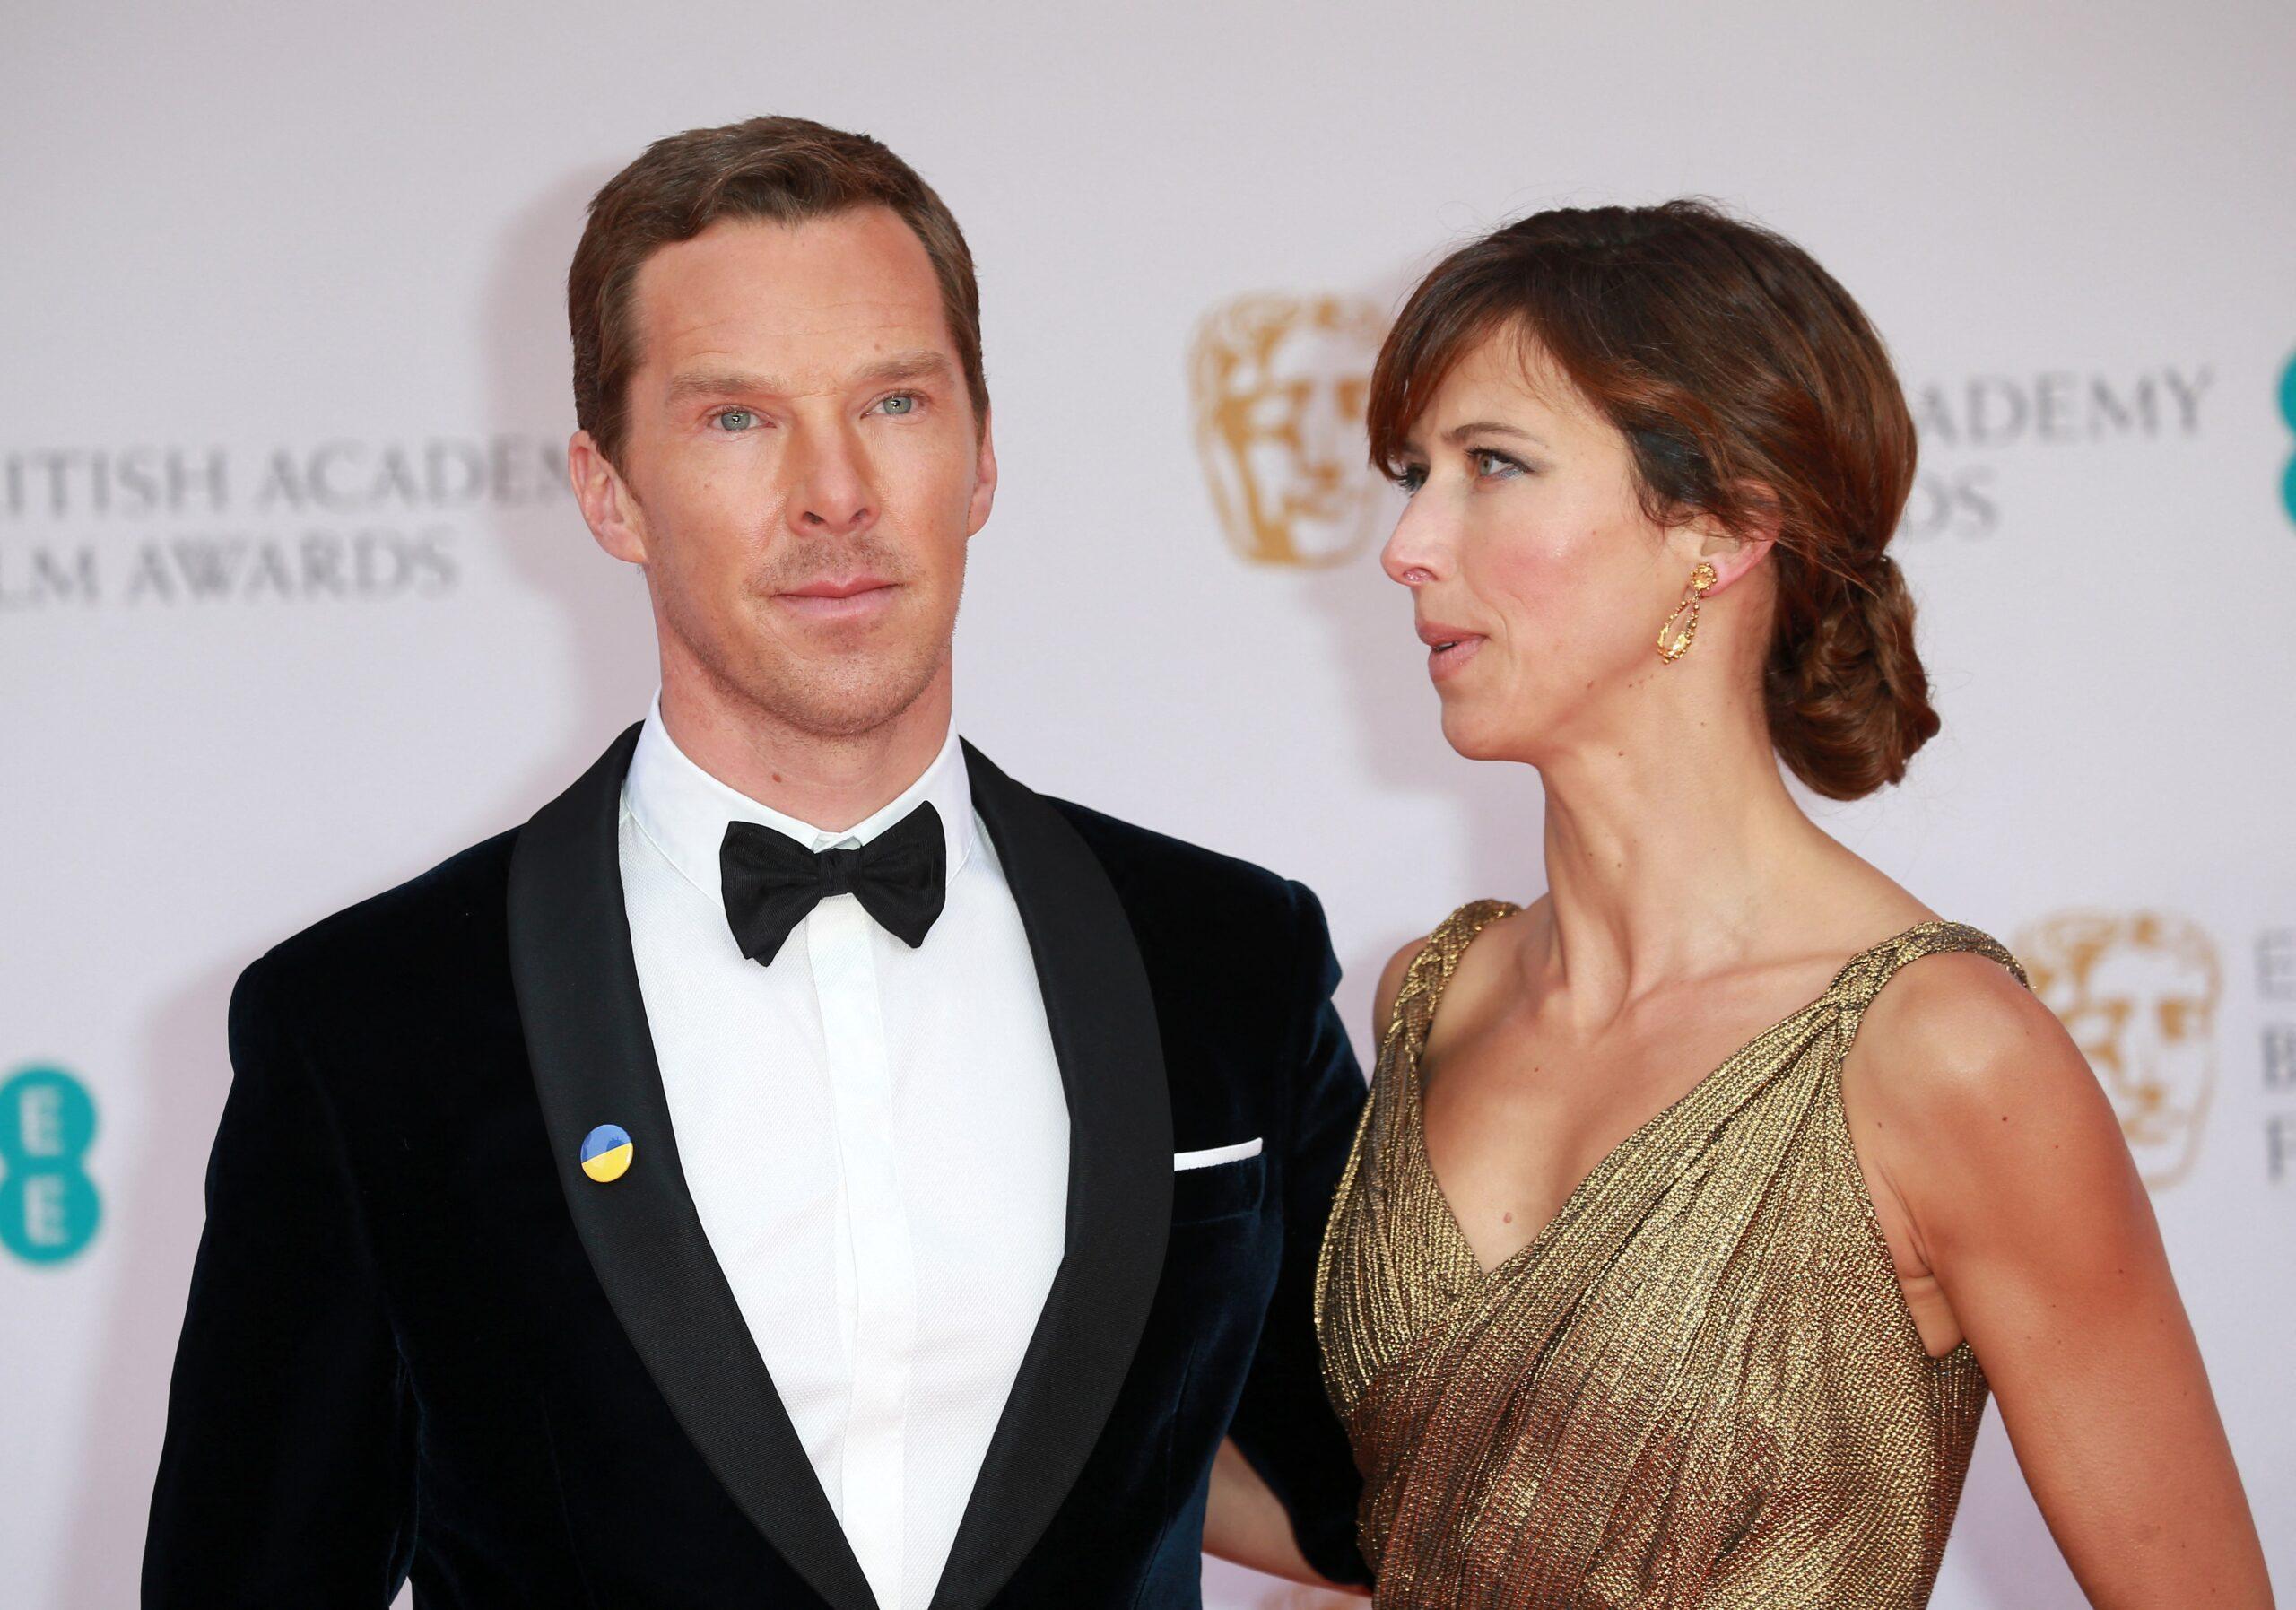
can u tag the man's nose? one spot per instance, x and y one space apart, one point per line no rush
831 495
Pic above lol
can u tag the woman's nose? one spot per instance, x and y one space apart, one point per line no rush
1409 557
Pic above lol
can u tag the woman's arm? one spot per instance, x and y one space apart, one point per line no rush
2004 1168
1245 1524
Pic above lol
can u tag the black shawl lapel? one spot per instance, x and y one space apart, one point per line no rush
1103 1024
593 1059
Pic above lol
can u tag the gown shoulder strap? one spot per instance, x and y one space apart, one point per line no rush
1429 973
1865 975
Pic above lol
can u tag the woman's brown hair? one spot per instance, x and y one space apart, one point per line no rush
1750 388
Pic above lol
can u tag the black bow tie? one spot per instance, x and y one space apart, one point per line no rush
770 880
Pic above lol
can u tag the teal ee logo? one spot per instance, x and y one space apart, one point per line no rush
48 1206
2288 413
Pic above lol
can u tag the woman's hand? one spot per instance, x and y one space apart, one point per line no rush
1245 1524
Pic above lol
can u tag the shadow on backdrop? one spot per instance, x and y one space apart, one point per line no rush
1396 724
608 661
150 1231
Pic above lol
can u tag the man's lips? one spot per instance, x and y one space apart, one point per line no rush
838 599
830 587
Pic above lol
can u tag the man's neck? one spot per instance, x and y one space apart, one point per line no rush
828 782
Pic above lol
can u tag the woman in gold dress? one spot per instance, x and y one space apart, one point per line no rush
1702 1203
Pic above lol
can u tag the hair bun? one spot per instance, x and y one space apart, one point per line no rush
1849 699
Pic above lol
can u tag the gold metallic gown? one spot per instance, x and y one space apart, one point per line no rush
1699 1386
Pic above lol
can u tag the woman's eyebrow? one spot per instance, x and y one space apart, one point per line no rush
1458 434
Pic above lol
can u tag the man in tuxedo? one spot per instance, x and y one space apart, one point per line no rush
801 1166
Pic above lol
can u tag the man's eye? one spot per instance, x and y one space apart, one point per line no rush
734 419
900 402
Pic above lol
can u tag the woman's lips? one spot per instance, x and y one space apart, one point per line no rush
1445 659
1449 648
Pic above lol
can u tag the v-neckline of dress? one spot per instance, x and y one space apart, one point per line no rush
1605 1164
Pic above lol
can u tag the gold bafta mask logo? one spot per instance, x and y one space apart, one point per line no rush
2138 992
1279 384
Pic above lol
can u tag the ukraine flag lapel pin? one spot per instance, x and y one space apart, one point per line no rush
605 1153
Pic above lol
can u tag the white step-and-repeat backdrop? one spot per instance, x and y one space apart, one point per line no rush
293 602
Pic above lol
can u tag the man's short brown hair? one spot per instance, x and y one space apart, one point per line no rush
777 169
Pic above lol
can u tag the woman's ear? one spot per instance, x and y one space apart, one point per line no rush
1735 552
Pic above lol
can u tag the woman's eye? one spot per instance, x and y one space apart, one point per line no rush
900 402
1411 478
734 419
1493 465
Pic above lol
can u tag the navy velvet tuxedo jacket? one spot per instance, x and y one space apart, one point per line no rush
420 1341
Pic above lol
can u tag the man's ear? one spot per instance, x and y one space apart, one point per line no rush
1734 552
983 481
609 507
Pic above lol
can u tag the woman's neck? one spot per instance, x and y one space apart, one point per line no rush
1672 857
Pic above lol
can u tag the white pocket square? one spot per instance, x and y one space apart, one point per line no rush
1211 1155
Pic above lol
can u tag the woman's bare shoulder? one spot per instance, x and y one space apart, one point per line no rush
1962 1076
1957 1027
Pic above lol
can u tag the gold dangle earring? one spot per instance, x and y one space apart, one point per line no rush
1700 580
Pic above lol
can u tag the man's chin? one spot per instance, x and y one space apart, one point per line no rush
839 705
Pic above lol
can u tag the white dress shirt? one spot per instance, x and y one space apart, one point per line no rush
876 1141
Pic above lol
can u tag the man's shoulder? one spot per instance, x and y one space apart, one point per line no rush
1224 941
441 920
1156 874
